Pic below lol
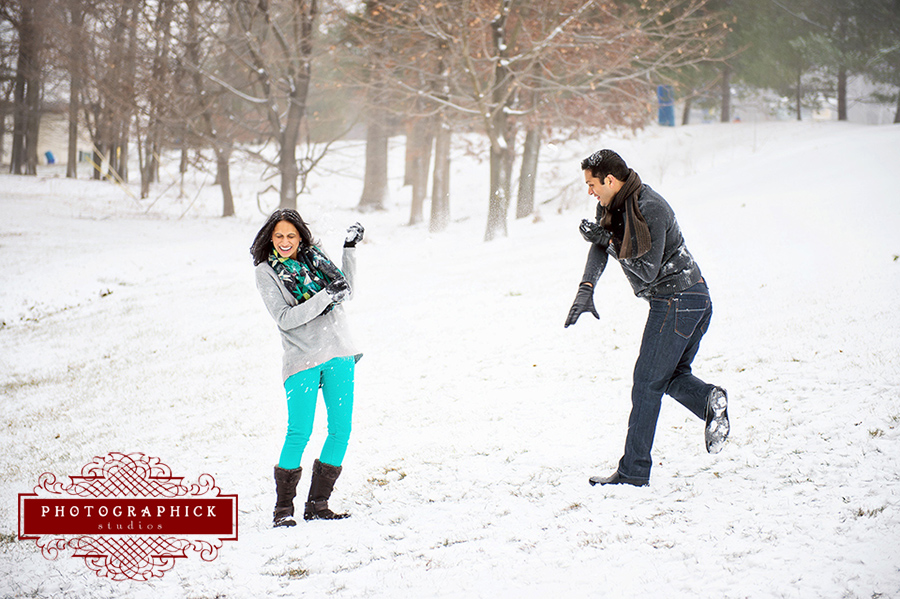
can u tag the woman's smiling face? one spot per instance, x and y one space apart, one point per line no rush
286 239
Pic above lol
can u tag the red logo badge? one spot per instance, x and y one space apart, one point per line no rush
128 517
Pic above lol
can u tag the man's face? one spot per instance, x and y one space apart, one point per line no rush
602 189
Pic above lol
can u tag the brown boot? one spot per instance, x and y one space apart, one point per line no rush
285 491
323 477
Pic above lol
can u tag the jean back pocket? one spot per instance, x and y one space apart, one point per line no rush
690 309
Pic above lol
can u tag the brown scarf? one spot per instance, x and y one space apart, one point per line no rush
634 237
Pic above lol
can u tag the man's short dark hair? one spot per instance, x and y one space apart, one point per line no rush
606 162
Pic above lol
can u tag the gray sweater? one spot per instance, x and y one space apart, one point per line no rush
666 269
309 337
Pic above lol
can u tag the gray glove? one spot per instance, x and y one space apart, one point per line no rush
594 233
354 235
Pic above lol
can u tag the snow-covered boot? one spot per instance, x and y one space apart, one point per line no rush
285 491
717 425
323 478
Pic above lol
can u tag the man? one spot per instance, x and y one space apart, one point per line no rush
637 227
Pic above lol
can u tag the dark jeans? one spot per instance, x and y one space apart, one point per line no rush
675 325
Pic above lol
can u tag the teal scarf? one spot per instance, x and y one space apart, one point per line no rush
309 274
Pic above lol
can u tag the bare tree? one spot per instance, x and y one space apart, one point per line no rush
29 20
108 98
420 139
528 172
508 63
157 91
375 179
376 48
396 52
8 44
75 38
209 108
440 193
271 43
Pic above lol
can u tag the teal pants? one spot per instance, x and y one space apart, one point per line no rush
335 378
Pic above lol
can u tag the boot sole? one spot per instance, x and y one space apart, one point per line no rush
334 517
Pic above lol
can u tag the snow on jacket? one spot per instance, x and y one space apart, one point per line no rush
666 268
309 337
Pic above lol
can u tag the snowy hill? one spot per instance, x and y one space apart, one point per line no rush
136 326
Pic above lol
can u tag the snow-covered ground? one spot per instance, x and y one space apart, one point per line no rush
136 327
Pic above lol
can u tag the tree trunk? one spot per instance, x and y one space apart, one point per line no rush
530 153
27 93
440 190
72 153
421 142
842 93
297 103
375 186
17 154
499 131
157 92
5 104
221 147
409 163
223 175
897 114
499 200
144 165
528 173
96 172
799 94
502 158
76 11
287 165
123 156
726 93
440 193
686 114
3 131
33 124
130 102
117 89
510 157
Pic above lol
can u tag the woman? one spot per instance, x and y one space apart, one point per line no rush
303 291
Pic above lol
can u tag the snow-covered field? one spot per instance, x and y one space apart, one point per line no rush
136 327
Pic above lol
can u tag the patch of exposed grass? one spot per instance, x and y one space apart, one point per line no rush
870 513
295 573
18 384
389 475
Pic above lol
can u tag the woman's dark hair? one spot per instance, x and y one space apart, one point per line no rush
262 244
606 162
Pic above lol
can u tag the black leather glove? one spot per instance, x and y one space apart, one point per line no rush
594 233
354 235
584 302
338 290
